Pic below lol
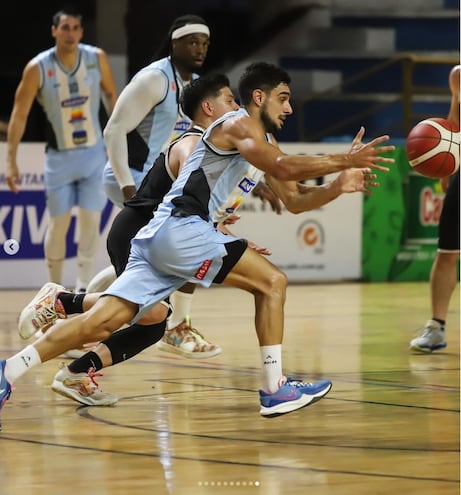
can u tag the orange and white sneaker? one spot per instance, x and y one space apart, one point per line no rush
188 342
81 387
44 309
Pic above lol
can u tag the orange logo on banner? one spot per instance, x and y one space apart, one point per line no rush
310 234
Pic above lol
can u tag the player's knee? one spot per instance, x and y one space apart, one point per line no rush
279 281
157 314
276 283
97 329
448 259
107 315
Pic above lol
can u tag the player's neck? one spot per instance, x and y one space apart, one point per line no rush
201 124
183 75
67 58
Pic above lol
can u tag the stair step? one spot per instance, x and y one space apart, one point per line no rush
362 39
313 81
372 6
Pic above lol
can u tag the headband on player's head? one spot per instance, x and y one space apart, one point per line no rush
190 29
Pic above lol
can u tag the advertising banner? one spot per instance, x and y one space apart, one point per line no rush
400 225
24 219
317 245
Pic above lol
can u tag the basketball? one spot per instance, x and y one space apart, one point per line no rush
432 148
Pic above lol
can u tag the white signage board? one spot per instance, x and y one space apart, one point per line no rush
323 244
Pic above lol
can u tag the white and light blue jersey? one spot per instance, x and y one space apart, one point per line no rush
163 123
71 98
212 183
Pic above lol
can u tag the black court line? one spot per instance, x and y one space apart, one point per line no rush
84 411
236 463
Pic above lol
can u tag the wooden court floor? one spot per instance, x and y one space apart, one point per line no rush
390 425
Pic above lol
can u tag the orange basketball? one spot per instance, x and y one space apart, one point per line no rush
432 148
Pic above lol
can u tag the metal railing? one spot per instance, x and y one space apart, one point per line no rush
409 90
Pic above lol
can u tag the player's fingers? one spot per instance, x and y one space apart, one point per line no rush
383 159
359 135
12 184
385 149
378 140
380 167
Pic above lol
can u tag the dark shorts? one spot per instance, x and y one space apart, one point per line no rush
449 217
124 227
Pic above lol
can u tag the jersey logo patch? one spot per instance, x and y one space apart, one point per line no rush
203 270
246 185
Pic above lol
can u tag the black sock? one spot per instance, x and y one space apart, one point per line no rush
73 303
127 342
442 322
87 361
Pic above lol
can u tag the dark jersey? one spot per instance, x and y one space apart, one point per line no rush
157 181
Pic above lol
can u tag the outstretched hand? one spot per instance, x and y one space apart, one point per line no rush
369 155
265 193
357 180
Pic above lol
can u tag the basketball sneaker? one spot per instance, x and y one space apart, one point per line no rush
188 342
292 395
81 387
431 338
44 309
5 387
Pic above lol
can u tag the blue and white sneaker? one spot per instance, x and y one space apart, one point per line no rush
292 395
5 387
431 338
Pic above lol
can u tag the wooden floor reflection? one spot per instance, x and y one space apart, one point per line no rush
389 425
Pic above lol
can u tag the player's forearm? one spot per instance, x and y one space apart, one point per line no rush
117 151
312 197
16 128
302 167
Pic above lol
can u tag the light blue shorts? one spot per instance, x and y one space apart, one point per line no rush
112 188
74 178
182 250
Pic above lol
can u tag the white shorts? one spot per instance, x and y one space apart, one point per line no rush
74 178
112 187
182 250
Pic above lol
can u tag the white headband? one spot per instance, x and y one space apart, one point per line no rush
190 29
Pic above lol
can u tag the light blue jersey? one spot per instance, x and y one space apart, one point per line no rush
181 242
162 124
75 153
71 98
212 183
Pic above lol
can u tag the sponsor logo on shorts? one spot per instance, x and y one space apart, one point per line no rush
203 270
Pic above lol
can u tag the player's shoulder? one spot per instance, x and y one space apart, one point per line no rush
153 72
454 73
241 124
43 55
86 47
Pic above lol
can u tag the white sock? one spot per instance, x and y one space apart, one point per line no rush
182 304
20 363
271 359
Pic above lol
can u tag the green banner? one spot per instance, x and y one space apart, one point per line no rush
400 224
